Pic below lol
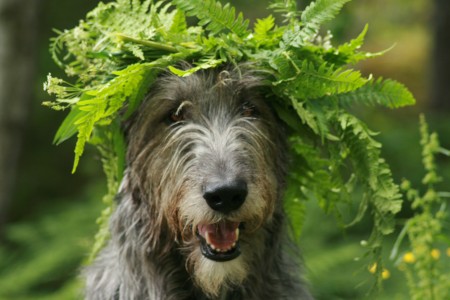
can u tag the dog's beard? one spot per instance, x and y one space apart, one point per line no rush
215 276
212 277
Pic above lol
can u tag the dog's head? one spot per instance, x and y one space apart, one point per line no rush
206 158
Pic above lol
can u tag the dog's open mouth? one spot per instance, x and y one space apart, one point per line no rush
219 241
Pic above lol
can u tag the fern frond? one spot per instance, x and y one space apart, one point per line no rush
288 8
365 155
385 92
111 145
179 24
307 116
348 53
67 129
353 45
312 18
317 177
215 17
57 46
295 208
129 85
206 63
319 12
262 28
363 147
295 37
306 81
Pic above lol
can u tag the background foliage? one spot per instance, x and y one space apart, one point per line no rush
52 226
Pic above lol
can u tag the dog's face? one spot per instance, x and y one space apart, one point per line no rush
206 155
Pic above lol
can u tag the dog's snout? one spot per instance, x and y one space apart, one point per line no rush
225 196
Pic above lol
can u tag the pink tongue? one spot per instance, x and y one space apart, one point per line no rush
221 235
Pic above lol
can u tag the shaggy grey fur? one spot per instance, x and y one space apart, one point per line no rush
213 126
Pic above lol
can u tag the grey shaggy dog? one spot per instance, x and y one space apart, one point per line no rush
200 213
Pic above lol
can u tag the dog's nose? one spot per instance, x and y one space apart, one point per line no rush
225 196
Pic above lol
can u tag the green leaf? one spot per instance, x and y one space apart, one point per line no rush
319 12
179 24
215 17
314 117
349 52
128 85
353 45
295 209
67 129
385 92
288 8
204 64
306 81
373 172
262 28
111 144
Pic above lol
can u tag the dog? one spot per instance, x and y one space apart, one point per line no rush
200 212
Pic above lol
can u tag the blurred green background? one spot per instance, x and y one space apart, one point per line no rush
47 215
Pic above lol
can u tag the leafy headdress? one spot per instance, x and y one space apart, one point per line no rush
120 48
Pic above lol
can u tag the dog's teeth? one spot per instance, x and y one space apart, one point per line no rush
208 241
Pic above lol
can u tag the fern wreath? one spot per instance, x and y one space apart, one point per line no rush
118 50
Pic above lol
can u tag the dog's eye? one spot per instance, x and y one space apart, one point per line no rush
176 116
248 110
180 114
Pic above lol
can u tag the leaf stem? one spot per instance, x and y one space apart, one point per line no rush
286 54
444 151
151 44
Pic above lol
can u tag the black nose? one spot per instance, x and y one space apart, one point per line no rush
225 196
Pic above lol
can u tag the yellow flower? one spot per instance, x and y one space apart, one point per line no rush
435 253
373 268
385 274
409 258
448 251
